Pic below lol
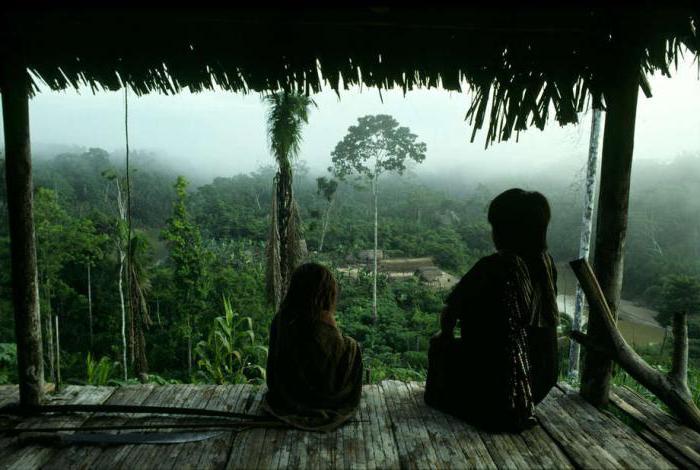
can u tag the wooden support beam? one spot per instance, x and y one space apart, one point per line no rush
621 94
14 81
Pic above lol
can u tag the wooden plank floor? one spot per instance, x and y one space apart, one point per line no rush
393 429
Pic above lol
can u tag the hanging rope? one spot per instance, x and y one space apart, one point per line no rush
128 221
128 174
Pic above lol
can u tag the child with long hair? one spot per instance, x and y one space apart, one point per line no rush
314 372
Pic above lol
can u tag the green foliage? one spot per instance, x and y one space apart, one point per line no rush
621 378
326 187
8 363
190 261
158 380
185 244
680 294
396 346
231 353
287 114
219 238
100 372
375 145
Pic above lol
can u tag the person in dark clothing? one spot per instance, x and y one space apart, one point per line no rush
505 360
314 372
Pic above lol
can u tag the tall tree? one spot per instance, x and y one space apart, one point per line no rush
121 236
189 259
375 145
326 188
586 229
287 114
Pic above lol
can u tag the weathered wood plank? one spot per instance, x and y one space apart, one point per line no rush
9 394
577 443
628 446
32 456
84 456
412 437
504 451
214 452
147 456
350 447
447 449
545 451
532 448
116 456
375 419
166 456
594 439
249 448
677 442
465 436
393 428
323 455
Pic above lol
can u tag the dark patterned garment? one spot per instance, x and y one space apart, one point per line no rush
505 360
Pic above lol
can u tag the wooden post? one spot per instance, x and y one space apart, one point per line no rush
621 94
25 286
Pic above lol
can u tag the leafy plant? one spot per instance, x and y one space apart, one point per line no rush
231 353
8 362
100 372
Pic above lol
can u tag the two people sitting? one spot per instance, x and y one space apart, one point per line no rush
503 363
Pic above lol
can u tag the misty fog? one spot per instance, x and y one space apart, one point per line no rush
219 133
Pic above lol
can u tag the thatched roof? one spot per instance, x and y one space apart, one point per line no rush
405 264
518 61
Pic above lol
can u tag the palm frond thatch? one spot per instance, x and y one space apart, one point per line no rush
519 61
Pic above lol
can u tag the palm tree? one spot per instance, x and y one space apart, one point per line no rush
287 114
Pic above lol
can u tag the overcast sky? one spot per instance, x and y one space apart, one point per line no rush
222 133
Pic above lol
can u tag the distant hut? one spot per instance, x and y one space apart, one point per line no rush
430 275
367 256
406 265
436 277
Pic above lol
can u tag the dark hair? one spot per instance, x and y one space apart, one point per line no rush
312 290
519 220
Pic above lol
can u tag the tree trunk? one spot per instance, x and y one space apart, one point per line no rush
586 228
25 285
58 354
325 225
89 289
679 362
376 223
123 311
189 347
284 214
618 144
273 276
48 325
